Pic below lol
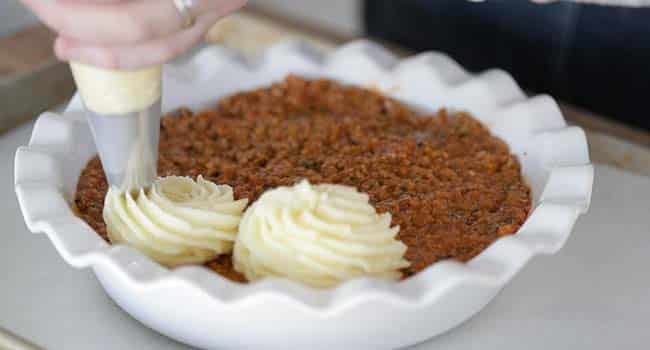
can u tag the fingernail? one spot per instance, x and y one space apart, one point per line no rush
60 48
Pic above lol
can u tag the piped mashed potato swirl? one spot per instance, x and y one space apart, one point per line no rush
176 221
320 235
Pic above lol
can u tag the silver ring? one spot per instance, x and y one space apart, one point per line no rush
185 10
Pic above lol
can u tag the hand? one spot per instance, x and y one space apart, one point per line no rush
126 34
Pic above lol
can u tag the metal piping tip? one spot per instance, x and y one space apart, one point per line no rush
128 146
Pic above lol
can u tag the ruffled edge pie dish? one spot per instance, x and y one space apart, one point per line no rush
196 306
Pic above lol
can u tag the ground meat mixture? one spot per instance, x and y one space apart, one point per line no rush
451 186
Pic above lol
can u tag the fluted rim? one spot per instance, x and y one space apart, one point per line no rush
561 176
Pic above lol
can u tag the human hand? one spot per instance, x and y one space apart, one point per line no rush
127 34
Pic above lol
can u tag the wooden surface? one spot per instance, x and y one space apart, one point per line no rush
32 80
25 51
600 124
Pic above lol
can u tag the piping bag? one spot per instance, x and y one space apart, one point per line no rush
123 109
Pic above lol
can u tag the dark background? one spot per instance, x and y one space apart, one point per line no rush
592 56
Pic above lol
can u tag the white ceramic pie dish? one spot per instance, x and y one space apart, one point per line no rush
199 307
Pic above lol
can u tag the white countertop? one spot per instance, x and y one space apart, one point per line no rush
594 294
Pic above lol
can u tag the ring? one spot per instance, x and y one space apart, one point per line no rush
185 9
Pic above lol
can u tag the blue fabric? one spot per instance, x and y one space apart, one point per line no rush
596 57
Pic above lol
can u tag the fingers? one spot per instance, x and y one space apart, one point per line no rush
121 22
135 56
